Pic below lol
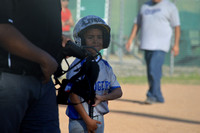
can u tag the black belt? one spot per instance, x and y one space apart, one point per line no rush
20 72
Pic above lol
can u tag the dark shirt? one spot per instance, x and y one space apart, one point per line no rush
40 22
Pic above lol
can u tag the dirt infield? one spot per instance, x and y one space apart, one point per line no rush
179 114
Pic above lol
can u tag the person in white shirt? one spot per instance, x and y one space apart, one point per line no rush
156 21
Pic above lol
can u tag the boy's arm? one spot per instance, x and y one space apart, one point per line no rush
71 21
116 93
91 124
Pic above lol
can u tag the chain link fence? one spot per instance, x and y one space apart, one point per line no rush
188 61
120 15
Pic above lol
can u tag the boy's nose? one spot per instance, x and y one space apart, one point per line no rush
95 39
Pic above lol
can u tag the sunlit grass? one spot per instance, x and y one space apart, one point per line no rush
181 79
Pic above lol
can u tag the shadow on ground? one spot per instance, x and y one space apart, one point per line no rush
151 115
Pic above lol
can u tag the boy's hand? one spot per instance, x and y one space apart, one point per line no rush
92 125
98 100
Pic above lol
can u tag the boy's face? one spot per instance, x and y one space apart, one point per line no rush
94 38
64 3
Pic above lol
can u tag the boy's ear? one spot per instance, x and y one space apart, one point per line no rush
82 39
83 43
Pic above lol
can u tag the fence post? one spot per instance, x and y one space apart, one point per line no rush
121 30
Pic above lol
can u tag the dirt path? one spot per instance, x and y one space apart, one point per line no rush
179 114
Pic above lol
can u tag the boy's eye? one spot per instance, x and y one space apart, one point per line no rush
100 37
92 37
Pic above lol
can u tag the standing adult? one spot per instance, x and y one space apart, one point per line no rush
67 19
156 19
30 39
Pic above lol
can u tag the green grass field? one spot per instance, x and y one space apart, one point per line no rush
181 79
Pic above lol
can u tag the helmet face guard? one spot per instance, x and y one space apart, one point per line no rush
88 22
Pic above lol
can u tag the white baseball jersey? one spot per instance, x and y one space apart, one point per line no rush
106 82
156 22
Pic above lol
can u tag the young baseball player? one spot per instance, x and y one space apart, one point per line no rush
93 31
